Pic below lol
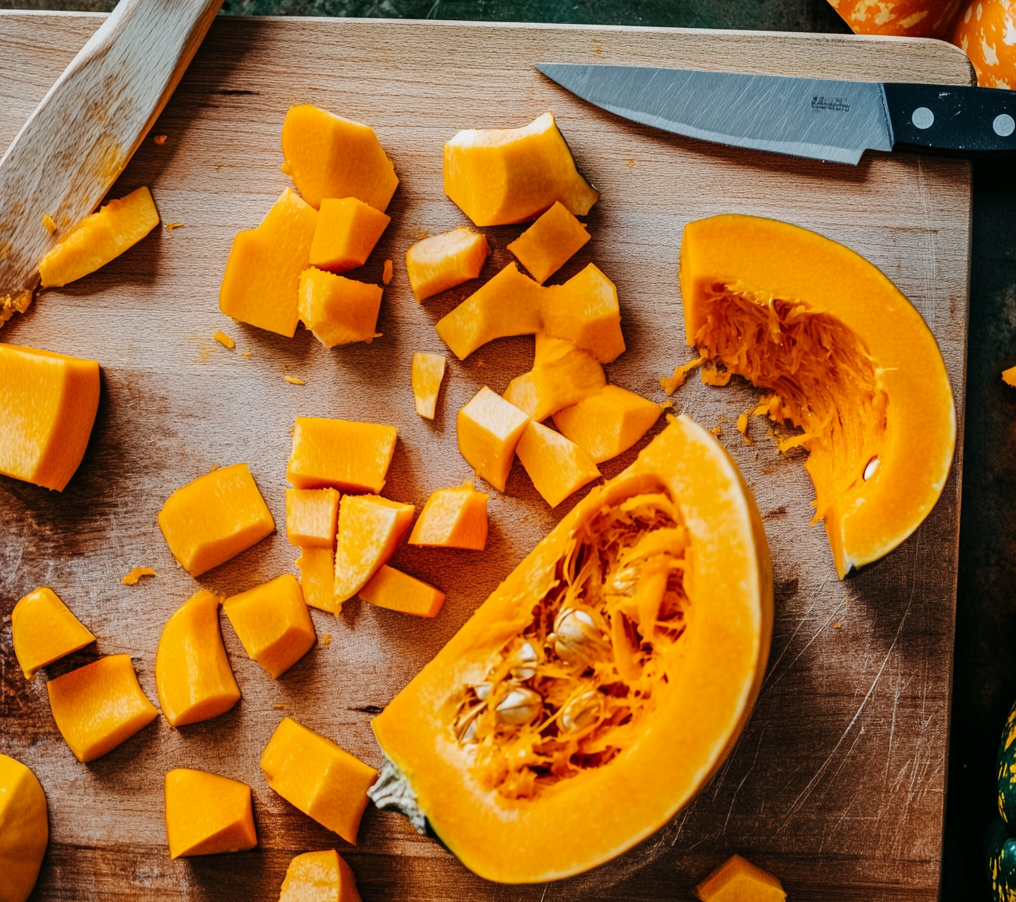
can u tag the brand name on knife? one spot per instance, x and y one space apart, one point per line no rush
833 104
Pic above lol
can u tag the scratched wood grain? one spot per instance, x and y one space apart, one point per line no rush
837 784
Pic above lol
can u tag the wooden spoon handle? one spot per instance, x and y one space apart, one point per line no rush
82 134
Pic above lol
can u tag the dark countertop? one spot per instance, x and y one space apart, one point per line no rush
984 680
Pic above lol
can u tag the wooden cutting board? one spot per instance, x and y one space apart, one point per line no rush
837 785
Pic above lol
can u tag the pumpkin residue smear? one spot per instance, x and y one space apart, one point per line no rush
569 694
820 376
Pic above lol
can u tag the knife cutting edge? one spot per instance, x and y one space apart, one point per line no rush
806 117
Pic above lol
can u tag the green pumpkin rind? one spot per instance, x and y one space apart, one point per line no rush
1007 771
1000 851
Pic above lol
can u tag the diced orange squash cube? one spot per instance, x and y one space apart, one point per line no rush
99 238
738 880
262 278
339 311
501 176
557 466
453 518
273 623
348 456
43 630
315 775
609 422
311 517
98 706
398 591
327 156
509 304
347 230
24 829
47 408
207 814
370 528
584 310
489 428
427 373
214 518
444 261
317 577
192 673
1009 376
319 877
561 375
550 242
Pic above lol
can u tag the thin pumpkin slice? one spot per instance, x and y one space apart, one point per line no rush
602 683
842 355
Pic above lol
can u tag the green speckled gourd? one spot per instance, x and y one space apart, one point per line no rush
1000 851
1007 771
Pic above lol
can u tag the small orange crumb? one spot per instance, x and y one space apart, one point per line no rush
1009 376
292 380
742 427
280 706
246 355
717 430
326 639
48 223
673 383
173 225
159 139
131 579
386 275
223 339
837 625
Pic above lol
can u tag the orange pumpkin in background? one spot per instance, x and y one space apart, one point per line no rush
911 18
986 32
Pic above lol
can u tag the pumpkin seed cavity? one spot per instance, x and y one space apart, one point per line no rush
567 695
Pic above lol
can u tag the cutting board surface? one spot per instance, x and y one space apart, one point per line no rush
837 784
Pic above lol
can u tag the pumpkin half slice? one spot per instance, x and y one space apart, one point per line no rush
602 683
842 355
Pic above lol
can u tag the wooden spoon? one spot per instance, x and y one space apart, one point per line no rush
82 134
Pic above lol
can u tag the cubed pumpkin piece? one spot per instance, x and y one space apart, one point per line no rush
738 880
398 591
347 230
348 456
319 877
192 673
339 311
327 156
444 261
557 466
501 176
315 775
609 422
47 408
1009 376
584 310
370 528
317 577
24 829
98 706
550 242
99 238
311 517
43 629
453 518
489 428
214 518
561 376
262 279
509 304
273 623
428 371
207 814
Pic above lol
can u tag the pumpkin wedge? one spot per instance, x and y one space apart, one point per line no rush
602 683
842 355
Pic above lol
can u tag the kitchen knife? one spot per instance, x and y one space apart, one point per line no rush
84 131
804 117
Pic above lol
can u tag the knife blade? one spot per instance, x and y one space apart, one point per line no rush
816 118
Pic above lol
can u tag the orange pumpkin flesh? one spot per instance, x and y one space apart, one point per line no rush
514 798
843 355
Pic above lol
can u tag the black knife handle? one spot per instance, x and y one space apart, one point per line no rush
960 119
